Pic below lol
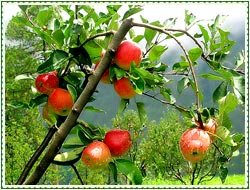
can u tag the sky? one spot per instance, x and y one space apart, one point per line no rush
158 11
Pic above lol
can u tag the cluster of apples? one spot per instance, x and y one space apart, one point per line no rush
59 101
127 53
195 142
98 154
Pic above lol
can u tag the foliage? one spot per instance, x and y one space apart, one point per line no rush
72 45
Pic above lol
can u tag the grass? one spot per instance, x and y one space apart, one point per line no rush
230 180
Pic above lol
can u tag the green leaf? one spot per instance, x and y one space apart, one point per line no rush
182 84
24 77
123 105
131 12
194 54
113 168
18 105
68 158
130 170
84 135
239 88
204 33
211 76
149 35
228 103
180 66
56 60
142 112
44 16
72 142
23 7
72 91
58 37
93 109
223 171
166 93
220 91
38 100
189 18
156 52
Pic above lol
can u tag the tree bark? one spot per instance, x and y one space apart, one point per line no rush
70 121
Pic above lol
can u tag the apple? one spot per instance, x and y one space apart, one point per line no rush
128 52
48 115
119 141
124 88
210 127
96 155
60 101
47 82
194 144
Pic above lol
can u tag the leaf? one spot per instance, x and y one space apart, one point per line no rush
166 93
189 18
182 84
142 112
123 105
239 88
23 7
211 76
156 52
58 37
72 142
131 12
194 54
44 16
130 170
180 66
113 168
220 91
82 55
68 158
149 35
84 135
24 77
228 103
93 109
56 60
38 100
18 105
72 91
223 171
204 33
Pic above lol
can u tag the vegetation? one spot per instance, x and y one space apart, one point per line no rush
43 41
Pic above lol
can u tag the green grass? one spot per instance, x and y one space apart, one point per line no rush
230 180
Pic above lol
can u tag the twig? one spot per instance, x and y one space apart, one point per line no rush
165 31
77 173
36 155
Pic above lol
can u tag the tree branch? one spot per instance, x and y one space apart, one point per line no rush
165 31
70 121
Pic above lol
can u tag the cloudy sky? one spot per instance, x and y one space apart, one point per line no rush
158 11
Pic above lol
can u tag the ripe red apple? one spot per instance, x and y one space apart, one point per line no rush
210 128
124 88
96 155
47 82
48 115
119 141
194 144
60 101
127 53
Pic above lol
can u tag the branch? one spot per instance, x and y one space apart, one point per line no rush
70 121
36 155
165 31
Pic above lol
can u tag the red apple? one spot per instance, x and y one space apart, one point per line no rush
194 144
96 155
210 128
127 53
60 101
119 141
124 88
47 82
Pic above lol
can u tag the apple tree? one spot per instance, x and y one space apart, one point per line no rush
84 37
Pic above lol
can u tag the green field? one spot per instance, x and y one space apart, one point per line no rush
231 180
